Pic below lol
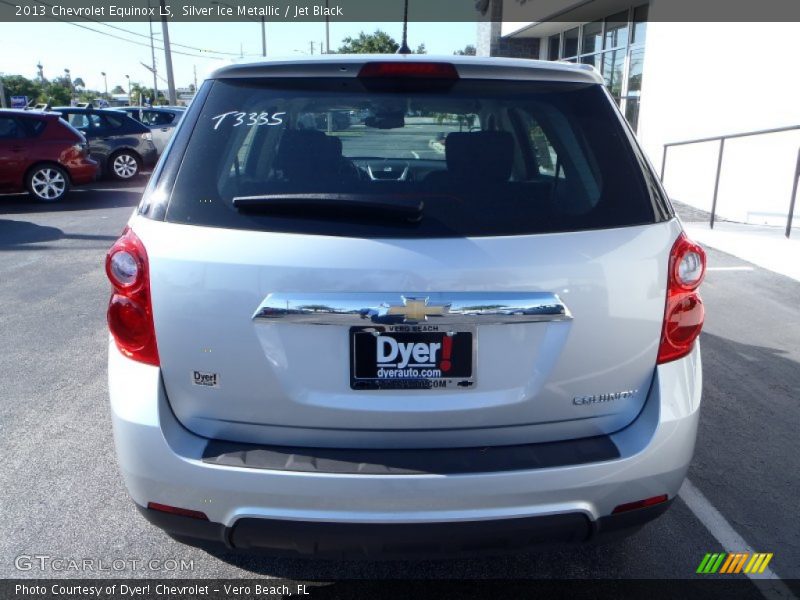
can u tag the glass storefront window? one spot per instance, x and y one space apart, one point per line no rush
617 30
632 112
615 47
571 42
553 45
639 24
592 59
635 71
592 37
613 69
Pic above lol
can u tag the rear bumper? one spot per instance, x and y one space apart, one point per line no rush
149 155
355 540
350 513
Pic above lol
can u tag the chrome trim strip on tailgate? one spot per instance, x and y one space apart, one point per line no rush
445 308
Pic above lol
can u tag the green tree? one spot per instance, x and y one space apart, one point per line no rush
118 90
139 91
469 50
421 49
17 85
379 42
57 92
78 83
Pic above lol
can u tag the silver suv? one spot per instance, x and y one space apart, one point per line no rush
465 321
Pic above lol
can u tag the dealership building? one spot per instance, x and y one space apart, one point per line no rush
680 81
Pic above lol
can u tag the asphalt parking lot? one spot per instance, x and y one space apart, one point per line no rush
64 497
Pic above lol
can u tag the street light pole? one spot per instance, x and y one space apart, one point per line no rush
153 53
105 82
130 99
263 37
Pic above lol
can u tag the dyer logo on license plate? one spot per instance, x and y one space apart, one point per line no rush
410 357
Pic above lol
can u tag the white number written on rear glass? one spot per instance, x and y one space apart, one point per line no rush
253 119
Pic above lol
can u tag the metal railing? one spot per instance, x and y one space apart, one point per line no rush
721 139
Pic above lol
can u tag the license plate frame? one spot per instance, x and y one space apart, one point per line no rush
365 365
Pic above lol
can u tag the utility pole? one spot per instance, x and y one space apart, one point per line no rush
40 71
195 79
312 48
105 82
2 93
173 99
153 53
327 30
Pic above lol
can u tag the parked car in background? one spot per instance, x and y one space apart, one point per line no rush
42 153
121 145
162 121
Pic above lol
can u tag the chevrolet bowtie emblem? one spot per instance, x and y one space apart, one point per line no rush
417 309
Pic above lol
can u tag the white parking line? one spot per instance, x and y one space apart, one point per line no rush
769 584
415 154
729 269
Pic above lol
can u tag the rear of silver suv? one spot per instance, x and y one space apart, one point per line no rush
379 305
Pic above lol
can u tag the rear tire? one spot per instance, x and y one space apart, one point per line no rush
47 183
124 165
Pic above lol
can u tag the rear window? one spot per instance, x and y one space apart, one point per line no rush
477 158
33 127
114 122
153 118
84 121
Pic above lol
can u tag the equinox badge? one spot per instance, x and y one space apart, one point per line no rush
598 398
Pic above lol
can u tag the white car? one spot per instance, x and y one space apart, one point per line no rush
161 120
346 343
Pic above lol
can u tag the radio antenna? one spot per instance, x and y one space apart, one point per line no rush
404 49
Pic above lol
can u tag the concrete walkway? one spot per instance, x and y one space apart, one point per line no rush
764 246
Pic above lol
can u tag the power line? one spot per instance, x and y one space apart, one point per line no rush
172 44
134 33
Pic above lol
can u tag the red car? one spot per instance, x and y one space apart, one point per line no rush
43 154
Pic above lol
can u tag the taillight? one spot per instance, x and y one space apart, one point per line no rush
81 148
684 313
425 70
130 314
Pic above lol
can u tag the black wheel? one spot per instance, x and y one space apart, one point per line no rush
124 165
47 183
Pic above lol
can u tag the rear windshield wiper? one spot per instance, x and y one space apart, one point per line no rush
311 205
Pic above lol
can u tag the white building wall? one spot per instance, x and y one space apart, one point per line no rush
707 79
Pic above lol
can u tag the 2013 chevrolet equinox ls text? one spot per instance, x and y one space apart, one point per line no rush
465 321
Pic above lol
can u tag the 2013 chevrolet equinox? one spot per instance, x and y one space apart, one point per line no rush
463 318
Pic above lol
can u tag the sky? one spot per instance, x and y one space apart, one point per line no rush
87 53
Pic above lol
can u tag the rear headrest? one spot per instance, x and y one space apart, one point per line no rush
480 155
307 152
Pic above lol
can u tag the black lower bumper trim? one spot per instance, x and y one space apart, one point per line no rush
387 540
356 540
442 461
